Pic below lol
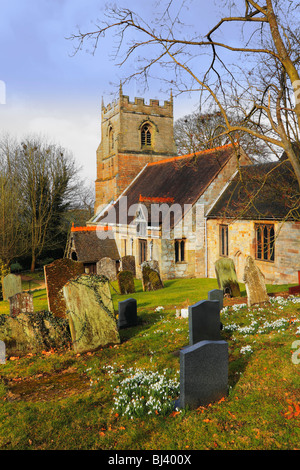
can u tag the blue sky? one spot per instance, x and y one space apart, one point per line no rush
51 92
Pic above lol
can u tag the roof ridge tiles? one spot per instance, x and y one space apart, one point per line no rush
189 155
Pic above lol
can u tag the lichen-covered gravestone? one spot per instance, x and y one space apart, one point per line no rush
126 282
226 277
21 303
11 284
151 279
91 314
57 274
254 283
107 267
128 264
33 333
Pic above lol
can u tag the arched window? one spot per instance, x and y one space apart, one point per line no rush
146 137
111 139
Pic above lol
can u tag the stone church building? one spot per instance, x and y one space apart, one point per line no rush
186 211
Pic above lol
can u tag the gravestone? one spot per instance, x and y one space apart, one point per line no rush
204 321
21 303
11 285
33 333
126 282
216 294
128 264
2 352
107 267
57 274
226 277
151 279
255 283
91 314
127 313
203 373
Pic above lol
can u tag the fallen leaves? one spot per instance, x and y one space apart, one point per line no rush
293 410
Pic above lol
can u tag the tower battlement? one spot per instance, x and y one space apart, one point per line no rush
137 106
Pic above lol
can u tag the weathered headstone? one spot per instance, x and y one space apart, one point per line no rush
204 321
126 282
151 279
255 283
21 303
226 277
33 332
91 314
216 294
2 352
11 284
128 264
127 313
57 274
203 373
107 267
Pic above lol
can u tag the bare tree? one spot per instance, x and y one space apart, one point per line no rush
269 39
45 172
13 226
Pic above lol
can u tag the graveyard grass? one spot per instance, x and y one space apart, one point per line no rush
61 400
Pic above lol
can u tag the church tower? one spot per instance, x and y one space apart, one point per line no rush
132 135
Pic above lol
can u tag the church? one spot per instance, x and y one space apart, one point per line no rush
184 211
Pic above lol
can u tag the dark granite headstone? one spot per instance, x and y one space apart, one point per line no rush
203 373
216 294
204 321
127 313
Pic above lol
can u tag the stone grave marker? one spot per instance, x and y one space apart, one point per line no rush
204 321
57 274
91 314
203 373
294 290
11 285
2 352
255 283
128 264
216 294
21 303
226 277
127 313
126 282
107 267
151 279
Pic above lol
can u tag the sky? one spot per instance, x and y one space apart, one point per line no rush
47 90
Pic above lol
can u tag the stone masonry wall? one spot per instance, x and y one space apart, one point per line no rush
241 241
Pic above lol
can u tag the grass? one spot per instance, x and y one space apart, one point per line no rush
60 400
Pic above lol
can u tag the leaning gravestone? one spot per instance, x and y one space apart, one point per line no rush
12 284
204 321
216 294
126 282
107 267
226 276
57 274
128 264
91 313
21 303
255 283
33 333
151 279
127 313
203 373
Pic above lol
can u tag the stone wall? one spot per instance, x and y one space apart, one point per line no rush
241 238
